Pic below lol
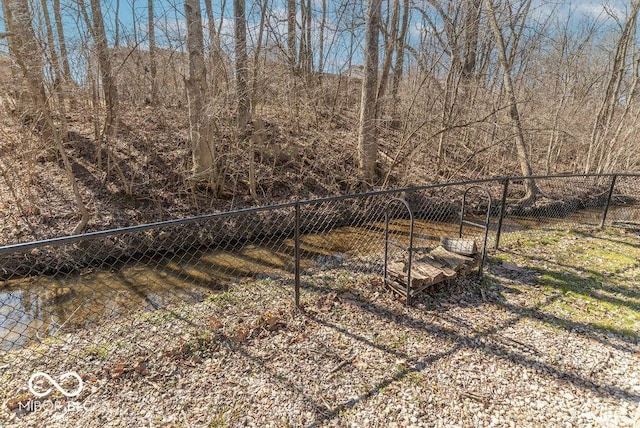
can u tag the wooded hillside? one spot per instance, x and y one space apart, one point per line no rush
116 113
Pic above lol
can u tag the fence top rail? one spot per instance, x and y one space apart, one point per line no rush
234 213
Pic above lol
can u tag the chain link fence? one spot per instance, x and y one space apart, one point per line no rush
86 304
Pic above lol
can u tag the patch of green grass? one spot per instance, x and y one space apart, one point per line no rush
101 351
393 341
218 421
498 258
415 378
222 299
585 277
204 345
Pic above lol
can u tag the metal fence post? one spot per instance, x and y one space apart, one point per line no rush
606 207
297 255
503 202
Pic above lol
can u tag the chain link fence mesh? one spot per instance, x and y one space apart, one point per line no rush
76 298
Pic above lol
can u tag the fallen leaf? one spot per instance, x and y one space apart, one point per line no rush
214 323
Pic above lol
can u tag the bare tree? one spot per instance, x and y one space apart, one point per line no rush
400 52
306 51
367 132
134 23
214 39
242 71
291 33
531 190
62 44
202 147
256 56
471 34
104 59
56 67
391 36
26 52
323 24
116 38
153 66
611 96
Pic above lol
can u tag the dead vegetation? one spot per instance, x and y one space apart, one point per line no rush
442 113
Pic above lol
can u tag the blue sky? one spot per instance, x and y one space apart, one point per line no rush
170 27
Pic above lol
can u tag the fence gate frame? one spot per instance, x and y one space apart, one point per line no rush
409 249
484 226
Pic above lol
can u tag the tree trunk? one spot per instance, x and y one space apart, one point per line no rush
256 56
28 55
202 148
62 44
531 189
471 34
242 72
153 67
391 36
26 52
367 132
291 33
309 49
22 103
323 24
399 65
302 55
608 106
134 23
104 59
116 38
57 69
213 36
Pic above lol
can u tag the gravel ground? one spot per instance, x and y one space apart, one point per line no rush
466 355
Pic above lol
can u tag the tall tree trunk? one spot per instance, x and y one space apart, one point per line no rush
309 47
116 38
217 68
608 106
153 67
471 34
57 69
202 147
367 131
104 59
390 43
223 8
26 52
213 37
134 23
531 190
291 33
399 65
16 72
62 44
306 59
256 56
242 72
302 55
323 24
